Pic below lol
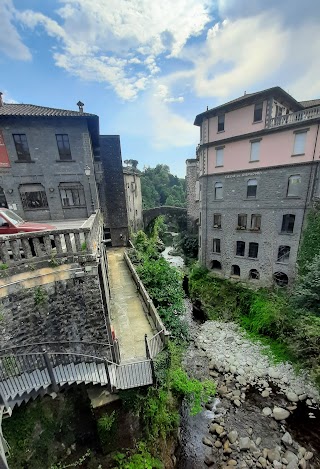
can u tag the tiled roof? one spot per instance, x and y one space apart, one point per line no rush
311 103
29 110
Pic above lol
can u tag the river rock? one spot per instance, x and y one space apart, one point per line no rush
280 414
258 441
274 373
219 429
206 441
287 439
308 455
273 455
262 461
265 393
291 457
218 444
292 465
267 411
209 460
237 402
302 463
233 436
292 396
277 465
302 397
244 443
232 462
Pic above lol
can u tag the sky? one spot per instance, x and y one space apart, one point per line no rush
147 68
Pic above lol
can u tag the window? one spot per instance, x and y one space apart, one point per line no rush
280 279
33 196
218 190
288 223
254 274
255 150
299 143
253 250
235 270
216 220
219 156
216 245
215 265
242 222
72 194
256 222
241 245
294 184
257 115
22 148
252 188
283 253
221 123
63 146
197 190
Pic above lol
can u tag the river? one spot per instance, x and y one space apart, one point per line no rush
239 428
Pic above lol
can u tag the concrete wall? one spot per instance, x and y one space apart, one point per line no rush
46 168
271 203
193 194
276 149
132 184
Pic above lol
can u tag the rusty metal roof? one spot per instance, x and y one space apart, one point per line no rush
30 110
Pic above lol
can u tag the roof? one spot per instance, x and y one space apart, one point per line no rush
30 110
250 98
310 103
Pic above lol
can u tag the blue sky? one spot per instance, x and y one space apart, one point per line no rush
147 68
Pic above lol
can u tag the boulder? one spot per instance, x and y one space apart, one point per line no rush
218 444
302 463
206 441
287 439
244 443
262 461
292 465
267 411
265 393
273 455
277 465
308 455
274 373
292 396
291 457
233 436
280 414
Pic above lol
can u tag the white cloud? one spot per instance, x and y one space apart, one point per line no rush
162 92
7 98
10 41
120 44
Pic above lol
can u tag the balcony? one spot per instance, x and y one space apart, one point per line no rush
295 117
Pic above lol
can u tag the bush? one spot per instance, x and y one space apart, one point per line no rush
307 292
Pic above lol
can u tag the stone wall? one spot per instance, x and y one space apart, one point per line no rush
64 310
192 176
271 203
132 185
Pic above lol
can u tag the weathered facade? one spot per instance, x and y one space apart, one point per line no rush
258 174
132 186
44 154
192 189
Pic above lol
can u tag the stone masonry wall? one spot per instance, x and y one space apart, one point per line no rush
192 177
271 203
67 310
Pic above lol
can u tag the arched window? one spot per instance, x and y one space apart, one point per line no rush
252 188
254 274
280 279
294 184
215 265
218 190
235 270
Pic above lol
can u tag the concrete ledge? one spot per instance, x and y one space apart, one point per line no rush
152 310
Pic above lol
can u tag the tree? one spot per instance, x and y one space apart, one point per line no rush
132 163
307 291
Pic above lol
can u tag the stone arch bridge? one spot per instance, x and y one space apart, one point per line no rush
178 214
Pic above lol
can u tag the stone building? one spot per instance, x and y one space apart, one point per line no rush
132 184
258 173
47 161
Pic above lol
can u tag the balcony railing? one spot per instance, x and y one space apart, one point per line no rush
22 248
295 117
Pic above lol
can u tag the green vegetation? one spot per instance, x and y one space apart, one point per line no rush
159 187
40 296
310 245
78 463
4 266
105 424
276 317
141 459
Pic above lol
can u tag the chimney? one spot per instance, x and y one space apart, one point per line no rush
80 105
1 101
244 93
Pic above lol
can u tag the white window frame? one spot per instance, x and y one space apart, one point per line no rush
299 144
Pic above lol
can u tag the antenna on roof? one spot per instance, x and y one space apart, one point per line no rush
244 93
207 108
80 105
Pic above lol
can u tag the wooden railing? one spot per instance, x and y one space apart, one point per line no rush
295 117
24 248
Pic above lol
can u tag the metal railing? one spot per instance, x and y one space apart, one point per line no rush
295 117
156 344
22 248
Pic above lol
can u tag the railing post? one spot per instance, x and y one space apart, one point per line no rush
116 351
110 386
50 371
147 346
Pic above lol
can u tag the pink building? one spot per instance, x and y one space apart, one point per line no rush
258 165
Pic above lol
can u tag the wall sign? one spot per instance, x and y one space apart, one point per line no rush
4 158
